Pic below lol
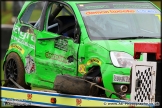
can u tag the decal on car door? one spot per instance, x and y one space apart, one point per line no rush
30 65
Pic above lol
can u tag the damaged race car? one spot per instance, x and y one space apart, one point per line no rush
70 46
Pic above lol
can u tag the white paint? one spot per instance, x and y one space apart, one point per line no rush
144 56
21 41
23 35
141 66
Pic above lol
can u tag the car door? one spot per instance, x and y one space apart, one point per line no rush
25 33
53 50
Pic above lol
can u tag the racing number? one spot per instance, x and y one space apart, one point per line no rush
159 17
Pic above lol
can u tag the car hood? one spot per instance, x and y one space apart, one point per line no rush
123 45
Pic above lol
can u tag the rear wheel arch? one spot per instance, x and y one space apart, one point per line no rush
17 58
19 54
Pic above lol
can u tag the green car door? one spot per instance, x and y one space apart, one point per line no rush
56 50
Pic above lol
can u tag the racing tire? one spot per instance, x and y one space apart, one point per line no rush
14 68
73 85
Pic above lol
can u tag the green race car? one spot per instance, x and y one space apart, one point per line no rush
91 40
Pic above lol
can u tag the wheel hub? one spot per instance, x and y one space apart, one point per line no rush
11 69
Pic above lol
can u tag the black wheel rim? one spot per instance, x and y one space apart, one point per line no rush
11 71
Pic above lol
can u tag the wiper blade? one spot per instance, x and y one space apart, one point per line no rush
138 37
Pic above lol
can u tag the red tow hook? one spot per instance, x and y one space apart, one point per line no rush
93 79
98 80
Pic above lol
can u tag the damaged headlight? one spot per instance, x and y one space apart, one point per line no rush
121 59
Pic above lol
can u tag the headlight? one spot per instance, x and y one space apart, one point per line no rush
121 59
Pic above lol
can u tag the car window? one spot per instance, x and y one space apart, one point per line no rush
32 13
53 7
65 11
61 18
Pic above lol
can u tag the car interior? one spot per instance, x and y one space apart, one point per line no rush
64 24
61 19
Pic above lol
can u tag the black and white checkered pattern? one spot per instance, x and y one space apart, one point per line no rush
142 94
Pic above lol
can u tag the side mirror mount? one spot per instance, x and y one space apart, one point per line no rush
70 59
77 33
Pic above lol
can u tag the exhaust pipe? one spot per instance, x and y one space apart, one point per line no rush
121 88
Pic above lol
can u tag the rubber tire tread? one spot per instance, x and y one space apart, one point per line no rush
71 85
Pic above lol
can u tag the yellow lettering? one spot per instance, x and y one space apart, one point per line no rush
94 60
16 47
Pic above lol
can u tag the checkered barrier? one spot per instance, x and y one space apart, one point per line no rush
143 82
143 92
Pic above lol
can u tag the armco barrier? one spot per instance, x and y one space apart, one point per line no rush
6 31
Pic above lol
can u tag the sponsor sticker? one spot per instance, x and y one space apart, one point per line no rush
146 11
122 11
30 64
112 11
15 46
21 41
82 69
94 60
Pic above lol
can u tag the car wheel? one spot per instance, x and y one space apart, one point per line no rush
14 69
73 85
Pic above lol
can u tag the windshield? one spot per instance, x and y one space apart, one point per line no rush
108 20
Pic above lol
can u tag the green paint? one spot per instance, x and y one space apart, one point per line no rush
51 61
